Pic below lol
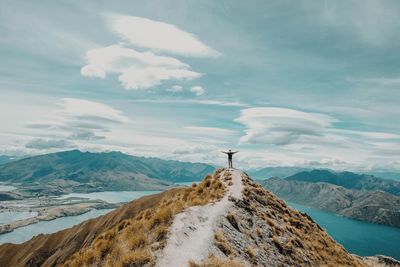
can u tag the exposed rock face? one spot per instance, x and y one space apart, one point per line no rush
372 206
380 260
261 230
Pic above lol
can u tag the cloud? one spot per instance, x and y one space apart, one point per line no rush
211 131
220 103
136 70
147 77
314 139
280 126
198 149
144 69
90 110
382 81
159 36
44 144
79 119
175 89
81 134
197 90
212 102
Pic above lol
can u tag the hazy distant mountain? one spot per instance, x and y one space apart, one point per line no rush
5 159
83 171
282 172
385 174
348 180
373 206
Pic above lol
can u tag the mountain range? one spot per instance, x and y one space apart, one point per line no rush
85 171
357 196
5 159
282 172
372 206
348 180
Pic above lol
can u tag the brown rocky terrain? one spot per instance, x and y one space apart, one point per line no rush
253 228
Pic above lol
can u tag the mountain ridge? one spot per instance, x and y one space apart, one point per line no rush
257 229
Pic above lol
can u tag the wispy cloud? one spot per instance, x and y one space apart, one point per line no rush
315 138
384 81
280 126
76 119
210 131
159 36
45 144
197 90
212 102
175 89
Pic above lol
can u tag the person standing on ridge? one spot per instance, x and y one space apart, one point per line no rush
230 155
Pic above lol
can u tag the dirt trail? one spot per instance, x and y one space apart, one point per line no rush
192 231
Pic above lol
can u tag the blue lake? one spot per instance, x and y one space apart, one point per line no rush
23 234
10 216
357 237
112 196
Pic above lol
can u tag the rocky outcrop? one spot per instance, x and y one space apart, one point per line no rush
261 230
372 206
380 260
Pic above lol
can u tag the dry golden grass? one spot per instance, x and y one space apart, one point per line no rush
133 241
294 235
136 258
251 252
233 220
214 261
222 244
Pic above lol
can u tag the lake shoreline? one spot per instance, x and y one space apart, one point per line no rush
47 209
356 236
56 208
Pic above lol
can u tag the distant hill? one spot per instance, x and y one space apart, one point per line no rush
5 159
348 180
372 206
84 171
282 172
393 175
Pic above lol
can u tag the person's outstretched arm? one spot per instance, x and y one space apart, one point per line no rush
235 152
224 152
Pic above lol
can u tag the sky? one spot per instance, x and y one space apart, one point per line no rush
287 83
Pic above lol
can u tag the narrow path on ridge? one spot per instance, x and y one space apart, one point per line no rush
192 230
